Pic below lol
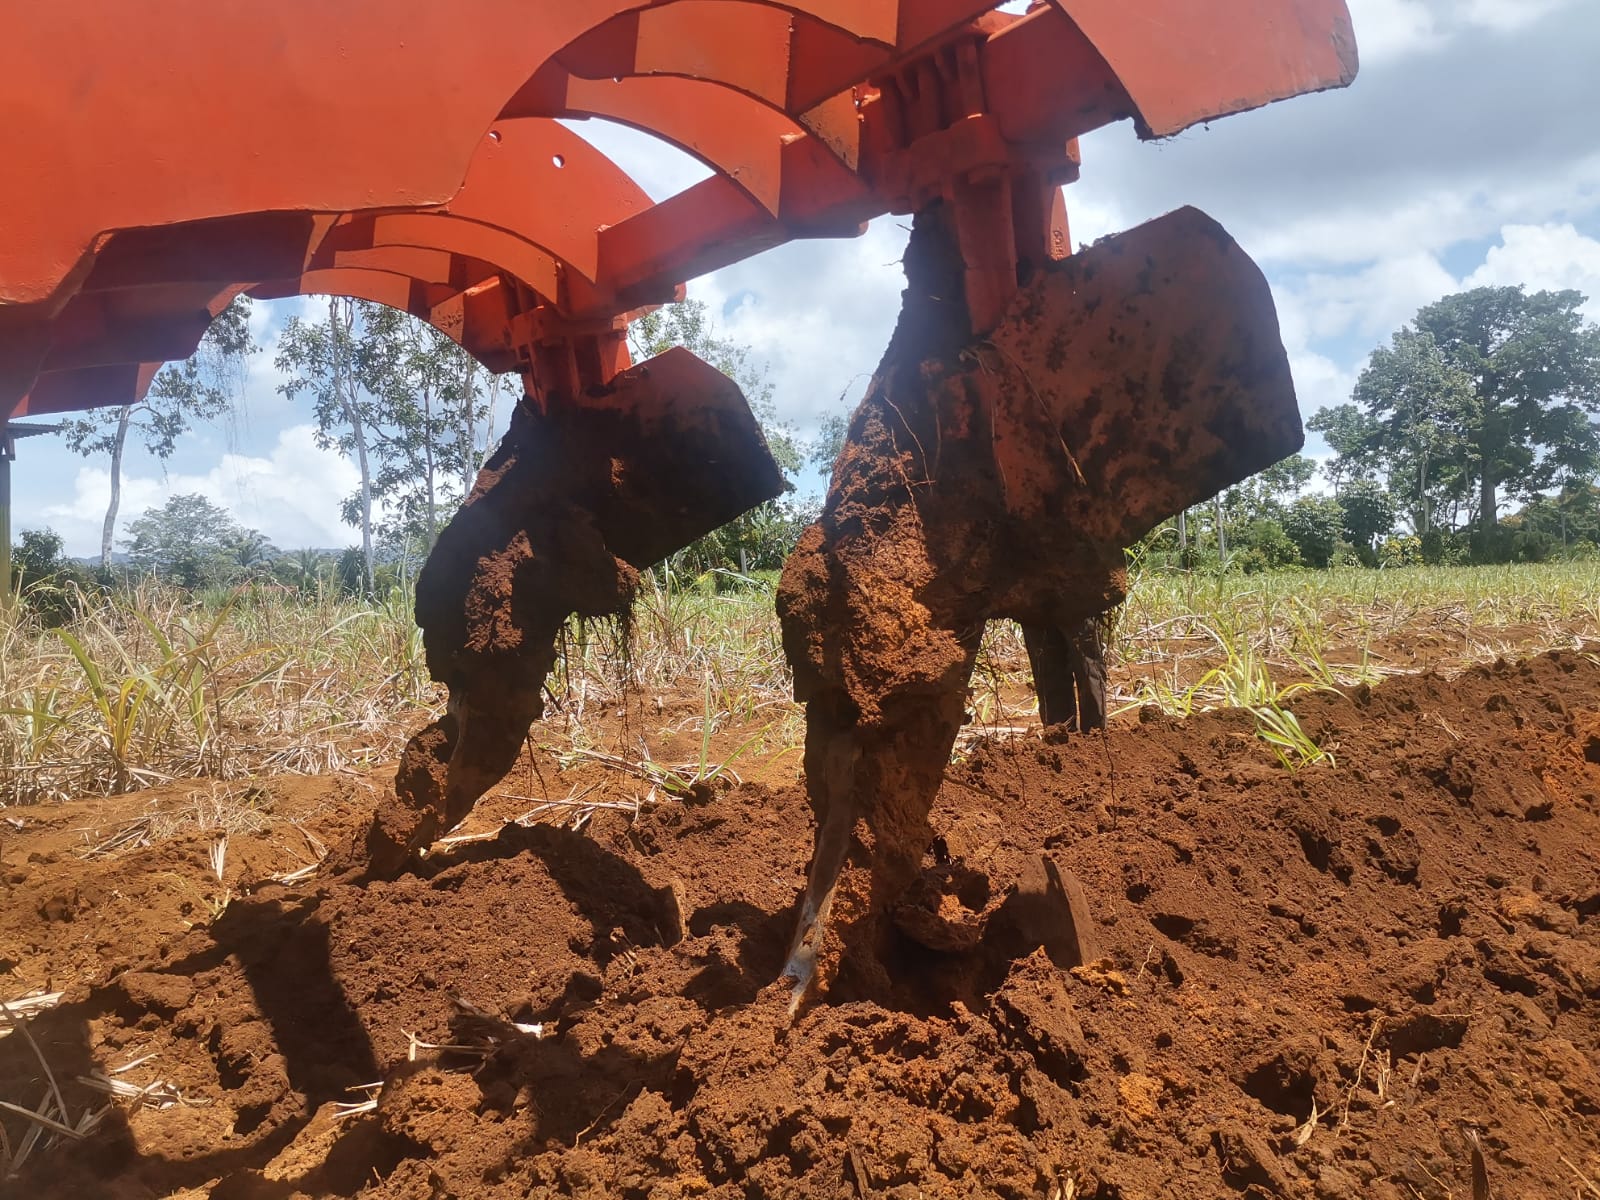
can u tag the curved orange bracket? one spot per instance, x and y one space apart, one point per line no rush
736 135
747 48
277 101
1180 71
477 318
535 197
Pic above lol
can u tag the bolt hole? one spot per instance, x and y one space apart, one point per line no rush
560 160
494 135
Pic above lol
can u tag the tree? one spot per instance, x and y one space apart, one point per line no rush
1314 524
1349 433
45 577
403 402
1417 407
1264 546
198 389
1487 392
306 568
252 552
829 444
188 540
37 557
433 410
320 359
1248 515
1286 477
1369 514
1569 519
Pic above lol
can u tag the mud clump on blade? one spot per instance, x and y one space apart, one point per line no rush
1002 476
572 505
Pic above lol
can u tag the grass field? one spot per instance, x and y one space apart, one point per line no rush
152 685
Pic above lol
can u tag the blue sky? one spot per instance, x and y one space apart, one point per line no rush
1466 154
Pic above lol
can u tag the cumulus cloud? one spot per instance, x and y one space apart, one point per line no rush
818 313
1553 257
1424 151
292 494
1393 28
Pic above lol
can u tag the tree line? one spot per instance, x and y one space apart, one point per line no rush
1485 398
413 413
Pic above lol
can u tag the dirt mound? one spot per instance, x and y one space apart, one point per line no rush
1356 981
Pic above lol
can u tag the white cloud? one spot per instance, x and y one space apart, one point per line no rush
1319 382
1430 219
1506 16
1553 257
1393 28
292 495
819 313
1370 302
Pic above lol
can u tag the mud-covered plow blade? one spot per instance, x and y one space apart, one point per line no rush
1136 379
575 502
686 454
1003 475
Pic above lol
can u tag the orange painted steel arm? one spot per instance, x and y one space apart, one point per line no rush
296 129
1046 82
737 136
1188 61
296 105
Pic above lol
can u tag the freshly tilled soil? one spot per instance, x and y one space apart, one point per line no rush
1370 979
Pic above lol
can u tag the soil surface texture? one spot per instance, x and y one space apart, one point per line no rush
1375 979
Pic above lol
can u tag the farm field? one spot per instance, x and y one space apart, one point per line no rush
1339 847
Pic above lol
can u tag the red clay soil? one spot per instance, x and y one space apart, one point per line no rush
1371 980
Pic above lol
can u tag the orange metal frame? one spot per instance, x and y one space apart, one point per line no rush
163 157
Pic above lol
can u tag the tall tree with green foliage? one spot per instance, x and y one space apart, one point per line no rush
1486 393
319 358
1350 434
1369 513
191 541
198 389
1315 525
433 413
400 400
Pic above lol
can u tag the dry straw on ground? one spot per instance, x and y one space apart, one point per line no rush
151 685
